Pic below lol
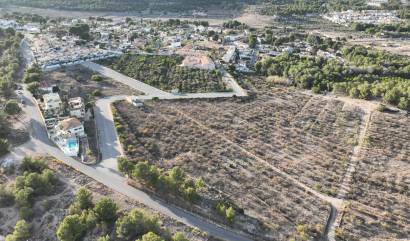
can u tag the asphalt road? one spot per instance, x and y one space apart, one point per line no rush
40 144
138 85
151 91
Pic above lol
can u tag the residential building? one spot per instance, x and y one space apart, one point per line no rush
76 107
53 105
70 126
231 55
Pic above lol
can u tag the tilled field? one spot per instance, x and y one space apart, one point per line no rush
381 184
309 138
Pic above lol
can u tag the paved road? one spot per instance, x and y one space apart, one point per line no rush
138 85
40 144
109 143
155 92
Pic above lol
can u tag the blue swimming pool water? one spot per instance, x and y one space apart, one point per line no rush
72 143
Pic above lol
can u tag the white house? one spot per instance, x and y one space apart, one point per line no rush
52 104
70 126
76 107
66 135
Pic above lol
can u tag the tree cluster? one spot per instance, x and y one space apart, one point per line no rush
82 30
84 217
234 24
165 73
36 180
173 181
226 211
367 74
393 30
10 62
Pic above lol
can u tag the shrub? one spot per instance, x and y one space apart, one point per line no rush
6 197
4 147
125 165
97 93
136 223
71 228
83 199
12 107
96 77
226 211
33 87
21 232
179 237
150 236
30 164
104 238
106 210
32 78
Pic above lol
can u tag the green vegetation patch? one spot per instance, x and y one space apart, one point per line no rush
363 73
86 217
165 72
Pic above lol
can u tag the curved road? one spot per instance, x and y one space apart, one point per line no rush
40 145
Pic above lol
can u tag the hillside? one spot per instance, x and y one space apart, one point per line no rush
131 5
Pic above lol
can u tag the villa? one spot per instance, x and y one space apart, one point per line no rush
67 134
52 104
76 107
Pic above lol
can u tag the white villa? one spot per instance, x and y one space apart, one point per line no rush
52 104
67 134
76 107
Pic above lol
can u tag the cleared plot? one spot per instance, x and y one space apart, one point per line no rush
160 134
381 183
77 81
308 137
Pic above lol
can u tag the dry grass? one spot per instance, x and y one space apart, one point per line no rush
271 128
381 184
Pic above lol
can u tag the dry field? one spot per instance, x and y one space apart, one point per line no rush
381 184
76 81
305 136
308 137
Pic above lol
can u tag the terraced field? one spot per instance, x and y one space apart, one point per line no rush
310 138
234 145
381 183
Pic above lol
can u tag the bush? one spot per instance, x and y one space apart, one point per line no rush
6 197
106 210
125 165
21 232
26 213
83 199
228 212
33 165
71 228
4 147
96 77
97 93
150 236
136 223
104 238
33 87
179 237
12 107
32 78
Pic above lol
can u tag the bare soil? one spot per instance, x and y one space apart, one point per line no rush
76 81
162 133
381 184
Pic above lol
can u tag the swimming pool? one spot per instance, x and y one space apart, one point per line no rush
72 143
